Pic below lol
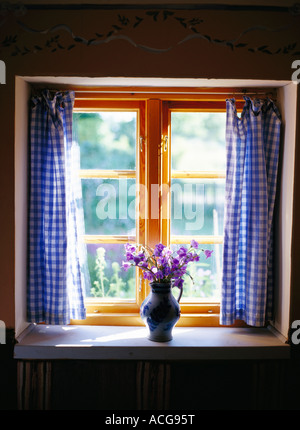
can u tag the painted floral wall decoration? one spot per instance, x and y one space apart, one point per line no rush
18 37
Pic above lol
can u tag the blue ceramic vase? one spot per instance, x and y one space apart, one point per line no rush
160 311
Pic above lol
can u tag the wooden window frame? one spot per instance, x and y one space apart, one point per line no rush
153 166
114 311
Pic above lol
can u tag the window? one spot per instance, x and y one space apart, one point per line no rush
152 170
197 149
111 173
169 89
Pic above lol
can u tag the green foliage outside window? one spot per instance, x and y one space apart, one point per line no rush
107 140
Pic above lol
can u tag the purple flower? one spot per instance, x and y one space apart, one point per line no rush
194 244
189 257
126 266
136 259
129 247
159 274
208 253
162 261
130 250
196 257
166 271
158 249
143 264
182 252
129 256
178 283
148 275
178 273
166 252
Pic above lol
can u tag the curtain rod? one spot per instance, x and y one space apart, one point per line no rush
88 92
179 90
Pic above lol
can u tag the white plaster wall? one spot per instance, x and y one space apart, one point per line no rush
22 92
287 99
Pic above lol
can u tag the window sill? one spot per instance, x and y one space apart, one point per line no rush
42 342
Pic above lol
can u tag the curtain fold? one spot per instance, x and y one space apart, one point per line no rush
57 277
252 150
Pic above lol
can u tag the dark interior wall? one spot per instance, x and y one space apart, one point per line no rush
235 43
238 385
251 44
226 44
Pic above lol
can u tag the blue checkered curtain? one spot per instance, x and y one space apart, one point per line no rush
57 276
252 147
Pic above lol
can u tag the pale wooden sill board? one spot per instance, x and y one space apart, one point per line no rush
42 342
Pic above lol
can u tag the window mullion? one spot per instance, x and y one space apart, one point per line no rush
165 174
152 170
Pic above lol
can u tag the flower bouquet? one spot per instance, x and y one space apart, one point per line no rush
161 264
164 269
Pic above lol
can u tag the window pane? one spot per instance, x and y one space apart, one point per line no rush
108 280
198 140
206 275
107 139
197 206
109 206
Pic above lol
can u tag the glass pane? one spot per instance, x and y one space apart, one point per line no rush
197 206
109 206
108 280
206 275
198 140
107 139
